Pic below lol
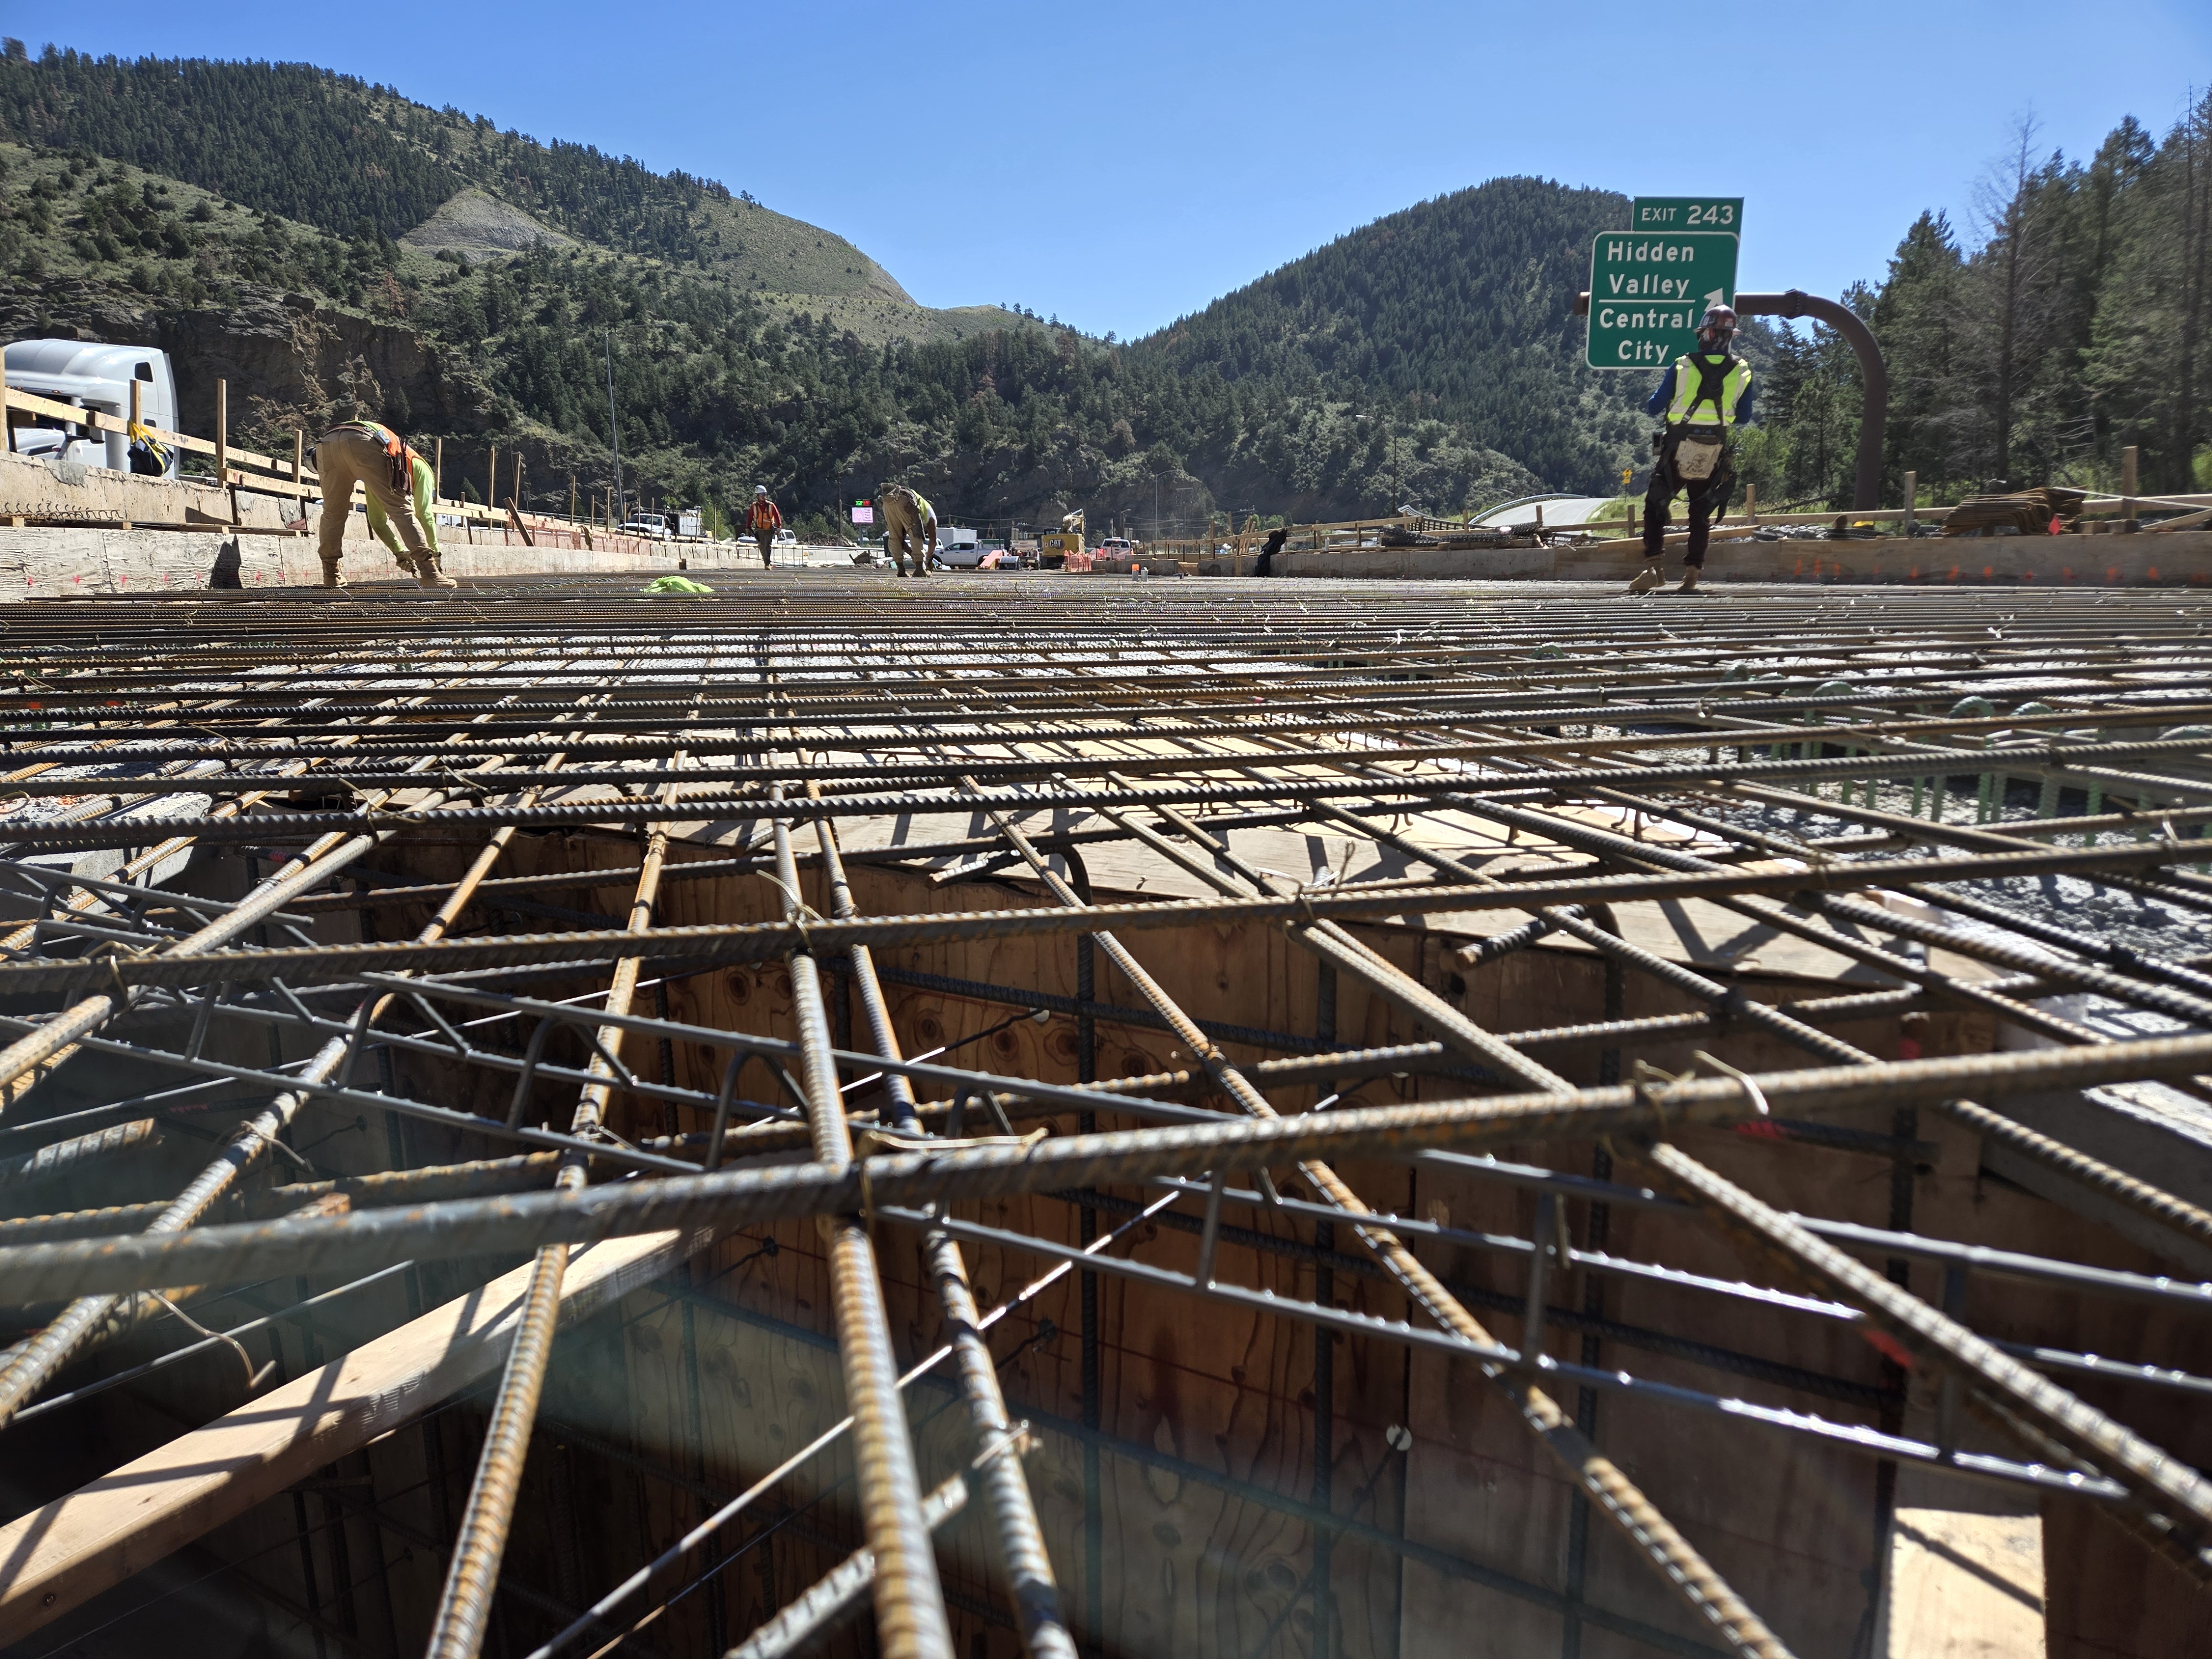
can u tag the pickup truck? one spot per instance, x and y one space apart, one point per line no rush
654 525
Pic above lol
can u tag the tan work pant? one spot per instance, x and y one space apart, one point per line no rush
903 532
344 458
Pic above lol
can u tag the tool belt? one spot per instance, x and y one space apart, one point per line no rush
398 462
1697 452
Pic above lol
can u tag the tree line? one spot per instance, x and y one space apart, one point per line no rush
334 151
2065 323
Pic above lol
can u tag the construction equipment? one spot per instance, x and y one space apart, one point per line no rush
1054 546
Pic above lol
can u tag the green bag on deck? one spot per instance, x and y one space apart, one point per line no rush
676 585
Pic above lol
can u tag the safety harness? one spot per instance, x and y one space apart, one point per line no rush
1712 381
149 456
1699 449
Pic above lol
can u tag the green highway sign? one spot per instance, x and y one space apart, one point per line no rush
1686 213
1648 290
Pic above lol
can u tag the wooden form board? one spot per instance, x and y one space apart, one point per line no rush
270 477
1693 931
1964 1583
77 1545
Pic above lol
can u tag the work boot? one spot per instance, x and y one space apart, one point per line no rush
1689 579
406 565
427 573
331 576
1647 578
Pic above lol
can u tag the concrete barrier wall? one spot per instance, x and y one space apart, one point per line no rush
58 489
58 563
2149 559
1416 563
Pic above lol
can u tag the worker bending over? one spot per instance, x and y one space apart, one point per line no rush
762 520
910 522
400 488
1703 395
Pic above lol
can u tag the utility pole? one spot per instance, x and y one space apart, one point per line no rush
614 428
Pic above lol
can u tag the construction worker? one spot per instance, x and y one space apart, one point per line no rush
1703 396
372 454
762 520
910 523
1265 565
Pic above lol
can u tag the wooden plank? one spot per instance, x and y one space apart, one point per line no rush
101 421
65 1552
1964 1584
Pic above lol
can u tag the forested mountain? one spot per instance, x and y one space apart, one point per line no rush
250 218
1460 309
360 160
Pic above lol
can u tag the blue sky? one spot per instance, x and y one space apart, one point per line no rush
1118 166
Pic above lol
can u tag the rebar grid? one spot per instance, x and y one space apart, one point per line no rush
1883 775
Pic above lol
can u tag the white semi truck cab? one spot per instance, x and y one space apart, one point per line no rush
91 376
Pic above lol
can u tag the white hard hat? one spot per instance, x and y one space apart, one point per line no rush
760 489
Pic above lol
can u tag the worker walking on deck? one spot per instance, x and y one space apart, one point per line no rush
1703 395
910 522
401 490
762 520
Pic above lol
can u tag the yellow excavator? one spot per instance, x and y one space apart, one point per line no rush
1054 546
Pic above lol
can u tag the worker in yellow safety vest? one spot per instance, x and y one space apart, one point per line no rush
401 489
910 523
1704 396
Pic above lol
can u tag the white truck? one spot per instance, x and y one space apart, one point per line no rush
91 375
959 547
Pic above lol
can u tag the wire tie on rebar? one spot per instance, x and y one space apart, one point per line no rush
1655 1099
871 1140
1017 1439
254 1378
1750 1083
